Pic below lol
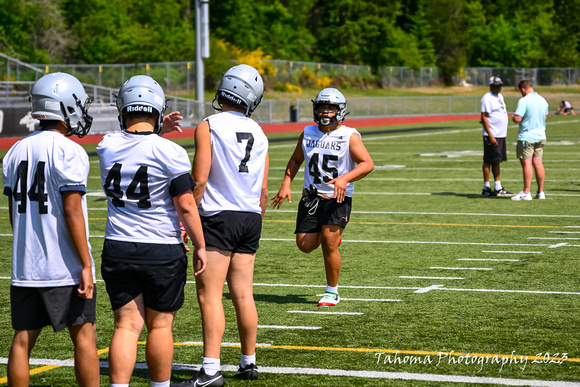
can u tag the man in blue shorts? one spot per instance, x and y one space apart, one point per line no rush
531 115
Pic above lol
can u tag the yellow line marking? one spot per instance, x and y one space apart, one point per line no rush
378 350
39 370
432 224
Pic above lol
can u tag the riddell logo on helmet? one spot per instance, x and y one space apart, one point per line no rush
139 108
235 100
38 116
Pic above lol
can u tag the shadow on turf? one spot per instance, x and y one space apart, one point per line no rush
470 195
275 299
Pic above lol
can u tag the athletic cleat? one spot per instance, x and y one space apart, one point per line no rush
540 195
202 379
502 192
522 196
329 299
249 372
487 192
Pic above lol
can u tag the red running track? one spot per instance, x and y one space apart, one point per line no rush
7 142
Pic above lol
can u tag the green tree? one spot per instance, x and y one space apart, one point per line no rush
451 21
278 27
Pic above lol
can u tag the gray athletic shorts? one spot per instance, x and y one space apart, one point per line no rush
60 307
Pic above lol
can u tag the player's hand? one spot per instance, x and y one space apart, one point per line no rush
277 200
199 260
86 284
339 188
184 237
171 123
493 141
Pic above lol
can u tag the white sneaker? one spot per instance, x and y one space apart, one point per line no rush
522 196
540 195
329 299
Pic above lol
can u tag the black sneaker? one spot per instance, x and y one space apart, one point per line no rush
202 379
249 372
487 192
502 192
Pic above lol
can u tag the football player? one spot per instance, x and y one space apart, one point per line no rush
230 169
53 273
148 185
335 157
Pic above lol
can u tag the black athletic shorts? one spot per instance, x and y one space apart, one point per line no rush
316 211
492 154
162 284
235 231
60 307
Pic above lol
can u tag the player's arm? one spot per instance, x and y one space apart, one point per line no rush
75 222
189 217
264 195
201 160
517 118
365 165
485 122
292 168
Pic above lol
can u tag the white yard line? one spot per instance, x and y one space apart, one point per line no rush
329 313
460 268
436 278
488 259
463 379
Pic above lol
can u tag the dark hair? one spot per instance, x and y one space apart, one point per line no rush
524 84
48 124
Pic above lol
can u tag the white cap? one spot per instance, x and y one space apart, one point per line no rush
495 81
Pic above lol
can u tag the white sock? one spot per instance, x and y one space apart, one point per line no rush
166 383
497 185
247 359
120 385
486 184
331 289
210 365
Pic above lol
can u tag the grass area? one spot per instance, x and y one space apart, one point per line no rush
418 213
310 92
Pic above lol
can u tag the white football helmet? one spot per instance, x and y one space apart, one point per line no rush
242 85
141 93
62 97
330 96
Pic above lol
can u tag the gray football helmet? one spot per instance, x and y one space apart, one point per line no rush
243 86
330 96
62 97
141 93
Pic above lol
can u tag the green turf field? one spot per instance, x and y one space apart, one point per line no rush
438 285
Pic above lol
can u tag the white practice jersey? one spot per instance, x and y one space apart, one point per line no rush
498 117
35 171
326 157
137 172
238 153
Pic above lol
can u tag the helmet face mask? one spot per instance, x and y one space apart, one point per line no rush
62 97
141 94
329 96
242 85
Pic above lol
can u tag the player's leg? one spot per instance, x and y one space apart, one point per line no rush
308 242
240 278
330 239
129 320
84 338
528 173
210 285
18 370
538 166
159 348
